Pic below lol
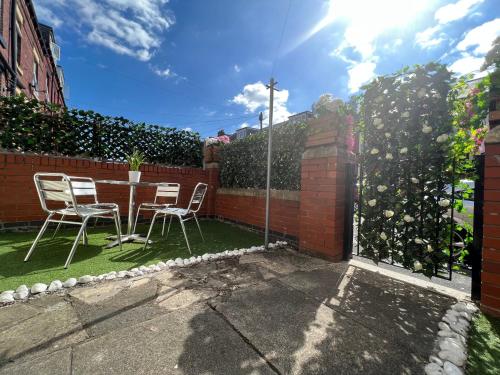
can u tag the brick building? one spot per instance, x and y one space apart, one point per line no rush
28 54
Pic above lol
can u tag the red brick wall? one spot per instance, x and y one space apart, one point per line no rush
19 201
30 41
490 278
251 210
322 201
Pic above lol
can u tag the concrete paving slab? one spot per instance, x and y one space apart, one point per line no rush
51 330
188 341
299 335
130 306
173 299
398 311
56 363
16 313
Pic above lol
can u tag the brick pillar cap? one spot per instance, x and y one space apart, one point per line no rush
493 136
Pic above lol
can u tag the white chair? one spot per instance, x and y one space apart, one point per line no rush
164 192
56 189
184 214
84 187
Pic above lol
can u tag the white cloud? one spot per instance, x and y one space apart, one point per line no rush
255 96
48 16
466 64
430 37
360 73
366 22
244 125
481 37
455 11
237 68
188 129
128 27
475 44
166 73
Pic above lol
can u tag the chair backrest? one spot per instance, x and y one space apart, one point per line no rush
54 187
197 198
168 191
83 187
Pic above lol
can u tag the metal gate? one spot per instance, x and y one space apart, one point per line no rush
352 216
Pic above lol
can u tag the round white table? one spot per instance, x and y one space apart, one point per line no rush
129 237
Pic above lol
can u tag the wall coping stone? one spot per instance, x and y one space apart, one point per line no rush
323 151
493 136
287 195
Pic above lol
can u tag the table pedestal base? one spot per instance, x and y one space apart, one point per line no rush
127 238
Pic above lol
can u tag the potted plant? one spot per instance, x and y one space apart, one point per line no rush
135 160
212 146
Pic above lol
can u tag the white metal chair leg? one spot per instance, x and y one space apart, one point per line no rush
57 228
163 228
77 240
150 229
85 238
136 218
169 224
185 235
118 228
95 222
40 234
199 228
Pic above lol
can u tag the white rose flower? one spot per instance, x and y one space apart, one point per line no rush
372 202
405 114
418 241
377 121
417 266
388 156
380 126
383 236
374 151
421 93
404 150
444 202
426 129
388 213
408 219
381 188
429 249
388 135
414 180
442 138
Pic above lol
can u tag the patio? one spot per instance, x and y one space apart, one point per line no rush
47 262
264 313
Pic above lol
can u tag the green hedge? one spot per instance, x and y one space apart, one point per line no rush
243 162
32 126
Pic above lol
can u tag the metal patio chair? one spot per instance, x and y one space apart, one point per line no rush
183 214
84 187
165 191
56 189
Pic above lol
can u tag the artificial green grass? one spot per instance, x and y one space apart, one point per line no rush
47 261
484 346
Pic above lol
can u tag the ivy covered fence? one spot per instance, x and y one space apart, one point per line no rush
27 125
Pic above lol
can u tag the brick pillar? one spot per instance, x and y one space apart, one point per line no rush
321 214
211 164
490 278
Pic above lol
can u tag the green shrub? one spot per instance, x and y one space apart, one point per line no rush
244 162
32 126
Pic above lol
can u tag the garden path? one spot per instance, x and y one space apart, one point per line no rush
263 313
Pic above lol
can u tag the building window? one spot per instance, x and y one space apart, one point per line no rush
19 45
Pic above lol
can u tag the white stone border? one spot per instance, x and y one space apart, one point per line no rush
22 293
450 352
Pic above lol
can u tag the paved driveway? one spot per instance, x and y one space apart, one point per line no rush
265 313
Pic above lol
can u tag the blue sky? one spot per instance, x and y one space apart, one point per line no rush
202 64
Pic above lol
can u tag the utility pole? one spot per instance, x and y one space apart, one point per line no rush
271 85
261 117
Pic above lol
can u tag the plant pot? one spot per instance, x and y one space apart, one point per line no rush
134 176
